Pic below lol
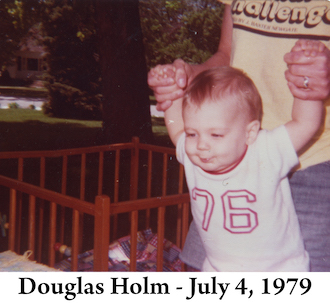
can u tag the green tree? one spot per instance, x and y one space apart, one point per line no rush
184 29
73 76
16 18
94 42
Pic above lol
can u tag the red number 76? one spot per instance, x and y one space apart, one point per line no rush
236 219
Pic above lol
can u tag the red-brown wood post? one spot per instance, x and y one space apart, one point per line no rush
101 233
134 230
76 239
12 220
134 169
52 234
32 226
160 235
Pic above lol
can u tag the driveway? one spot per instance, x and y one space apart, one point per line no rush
21 102
37 102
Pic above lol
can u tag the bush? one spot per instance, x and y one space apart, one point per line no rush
69 102
13 105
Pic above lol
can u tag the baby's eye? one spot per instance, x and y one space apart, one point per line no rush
190 135
217 135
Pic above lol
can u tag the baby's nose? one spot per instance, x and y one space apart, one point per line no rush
203 144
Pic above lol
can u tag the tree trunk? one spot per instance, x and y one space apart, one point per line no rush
126 105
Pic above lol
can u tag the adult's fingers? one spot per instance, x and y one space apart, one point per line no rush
317 89
304 94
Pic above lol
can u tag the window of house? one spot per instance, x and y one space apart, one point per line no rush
19 63
32 64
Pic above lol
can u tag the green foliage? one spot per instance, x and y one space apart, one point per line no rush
13 105
9 37
16 18
187 29
73 78
184 29
69 102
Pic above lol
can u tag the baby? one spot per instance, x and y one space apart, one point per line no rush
237 174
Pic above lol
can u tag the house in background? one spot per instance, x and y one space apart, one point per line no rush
30 59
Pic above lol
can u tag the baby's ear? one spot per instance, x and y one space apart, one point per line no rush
252 130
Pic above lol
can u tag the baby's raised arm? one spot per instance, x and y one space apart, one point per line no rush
174 121
306 120
173 114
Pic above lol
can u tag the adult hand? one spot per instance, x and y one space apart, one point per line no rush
170 88
310 59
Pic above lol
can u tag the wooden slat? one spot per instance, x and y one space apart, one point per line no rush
101 233
41 209
134 170
52 234
116 193
75 240
164 183
134 230
40 229
160 236
12 220
149 174
63 191
32 225
100 177
149 186
19 206
116 184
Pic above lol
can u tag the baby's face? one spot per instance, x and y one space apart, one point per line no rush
216 135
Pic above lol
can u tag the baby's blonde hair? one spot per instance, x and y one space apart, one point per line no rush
214 83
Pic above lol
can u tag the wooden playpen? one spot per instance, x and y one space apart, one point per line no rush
87 198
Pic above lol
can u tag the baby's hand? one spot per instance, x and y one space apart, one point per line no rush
164 71
311 48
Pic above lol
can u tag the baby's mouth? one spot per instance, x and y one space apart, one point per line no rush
205 160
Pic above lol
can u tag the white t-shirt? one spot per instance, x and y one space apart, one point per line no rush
245 217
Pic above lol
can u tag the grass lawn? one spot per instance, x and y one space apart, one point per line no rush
25 129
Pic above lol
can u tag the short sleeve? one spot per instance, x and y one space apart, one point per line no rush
276 145
180 149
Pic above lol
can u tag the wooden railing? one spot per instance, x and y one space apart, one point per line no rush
99 155
101 210
135 176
